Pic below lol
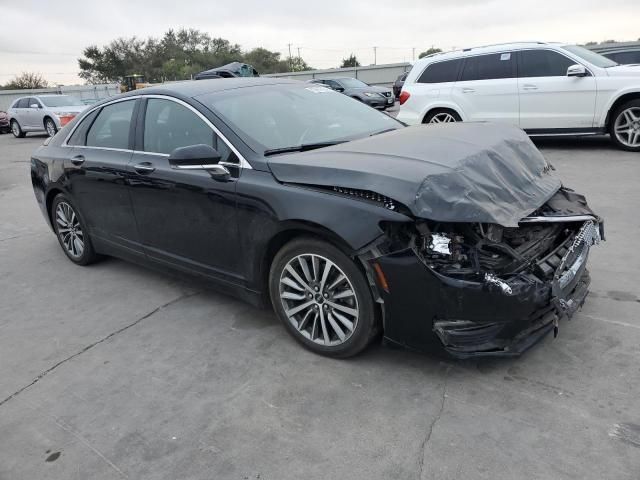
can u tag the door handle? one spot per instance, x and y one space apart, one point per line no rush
529 87
144 167
77 160
468 90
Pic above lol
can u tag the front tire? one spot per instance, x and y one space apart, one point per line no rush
322 298
16 129
50 127
625 126
71 231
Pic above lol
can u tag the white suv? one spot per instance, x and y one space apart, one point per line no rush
545 88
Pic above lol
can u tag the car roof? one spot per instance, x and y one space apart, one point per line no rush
498 47
194 88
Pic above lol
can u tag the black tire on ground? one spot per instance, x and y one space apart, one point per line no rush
366 325
617 118
88 254
50 127
16 129
440 112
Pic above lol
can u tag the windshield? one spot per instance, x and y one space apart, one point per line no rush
352 83
591 57
282 116
60 101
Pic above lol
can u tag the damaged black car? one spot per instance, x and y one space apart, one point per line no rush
457 238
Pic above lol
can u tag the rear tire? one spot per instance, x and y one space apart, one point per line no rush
71 231
16 129
50 127
335 317
442 115
624 126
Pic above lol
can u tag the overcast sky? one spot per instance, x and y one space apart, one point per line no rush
48 36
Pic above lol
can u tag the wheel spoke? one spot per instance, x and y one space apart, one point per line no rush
297 278
315 263
299 308
350 311
290 283
343 294
344 320
323 323
305 269
325 273
336 327
336 282
305 319
293 296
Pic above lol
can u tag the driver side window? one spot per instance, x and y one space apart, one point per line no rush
169 125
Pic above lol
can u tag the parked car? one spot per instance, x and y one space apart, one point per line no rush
544 88
376 97
230 70
624 53
453 237
397 85
4 122
43 113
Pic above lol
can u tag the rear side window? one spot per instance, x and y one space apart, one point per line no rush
111 128
543 63
441 72
488 67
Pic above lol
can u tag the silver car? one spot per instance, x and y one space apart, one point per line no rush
42 113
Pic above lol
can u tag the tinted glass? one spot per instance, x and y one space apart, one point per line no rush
290 115
23 103
169 125
487 67
32 101
79 135
332 83
440 72
111 128
543 63
625 58
352 83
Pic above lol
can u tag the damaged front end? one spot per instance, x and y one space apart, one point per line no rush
484 289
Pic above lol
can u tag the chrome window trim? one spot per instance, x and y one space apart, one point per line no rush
242 162
88 112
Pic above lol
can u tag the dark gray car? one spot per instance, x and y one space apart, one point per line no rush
376 97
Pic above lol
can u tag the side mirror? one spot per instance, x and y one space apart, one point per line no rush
34 105
199 157
338 89
576 70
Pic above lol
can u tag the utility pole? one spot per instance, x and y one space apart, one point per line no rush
413 54
290 64
375 55
298 53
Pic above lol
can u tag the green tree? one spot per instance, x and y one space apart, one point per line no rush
429 51
27 80
350 61
177 55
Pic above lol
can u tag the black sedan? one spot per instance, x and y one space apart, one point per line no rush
453 237
374 96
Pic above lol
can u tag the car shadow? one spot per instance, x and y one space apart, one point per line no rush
572 142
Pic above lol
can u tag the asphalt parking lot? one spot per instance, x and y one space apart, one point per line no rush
113 371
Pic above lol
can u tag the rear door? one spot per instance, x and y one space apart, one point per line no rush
488 88
549 99
97 172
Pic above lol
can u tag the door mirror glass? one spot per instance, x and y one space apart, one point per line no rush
194 156
338 89
576 71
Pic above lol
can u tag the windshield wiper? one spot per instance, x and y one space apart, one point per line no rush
300 148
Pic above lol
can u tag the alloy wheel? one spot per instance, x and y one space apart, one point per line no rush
69 230
50 127
319 299
15 129
443 117
627 127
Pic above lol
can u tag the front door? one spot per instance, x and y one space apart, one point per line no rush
549 99
185 218
97 173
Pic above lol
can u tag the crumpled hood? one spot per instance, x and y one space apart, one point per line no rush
457 172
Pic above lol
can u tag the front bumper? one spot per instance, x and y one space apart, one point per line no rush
379 102
427 311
